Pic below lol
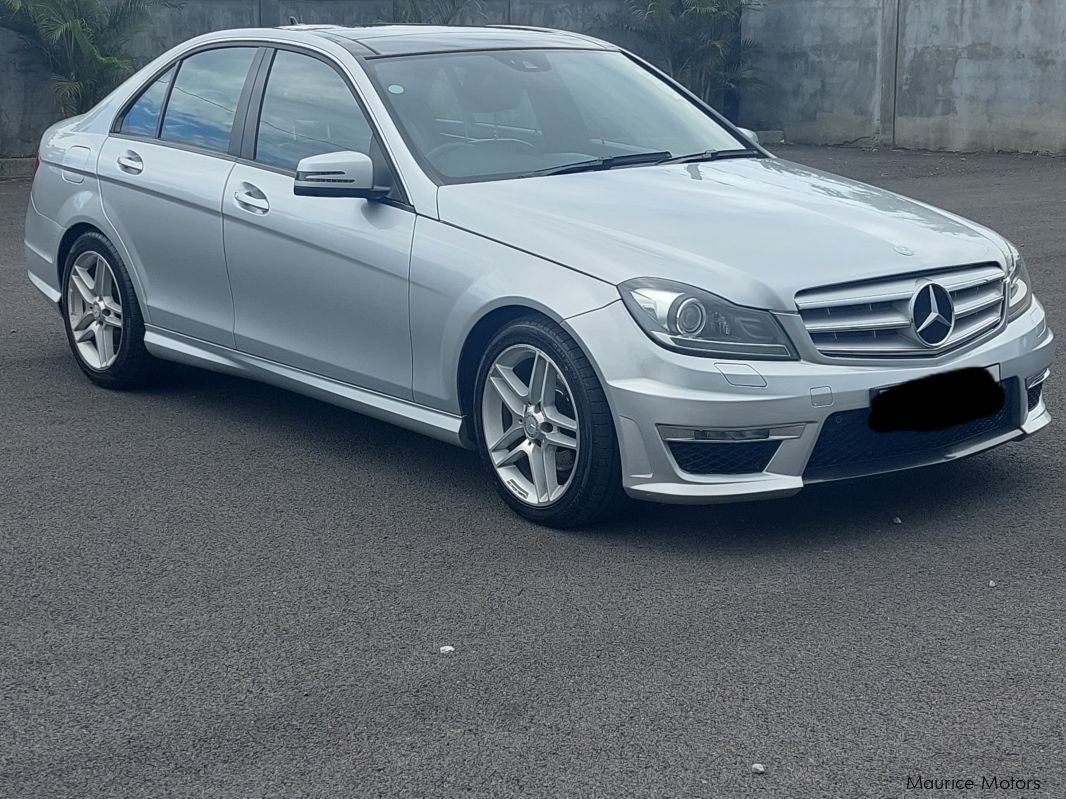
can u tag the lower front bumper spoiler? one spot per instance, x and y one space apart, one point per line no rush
771 486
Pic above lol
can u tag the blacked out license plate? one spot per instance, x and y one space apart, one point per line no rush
937 402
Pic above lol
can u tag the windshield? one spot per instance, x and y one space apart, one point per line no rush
476 116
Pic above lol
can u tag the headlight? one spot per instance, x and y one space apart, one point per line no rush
693 321
1019 289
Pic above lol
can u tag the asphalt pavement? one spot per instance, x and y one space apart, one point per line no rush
218 589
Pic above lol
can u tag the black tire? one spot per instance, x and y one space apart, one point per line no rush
133 366
595 493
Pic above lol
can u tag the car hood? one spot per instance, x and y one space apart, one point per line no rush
754 231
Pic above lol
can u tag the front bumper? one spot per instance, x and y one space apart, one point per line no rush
654 393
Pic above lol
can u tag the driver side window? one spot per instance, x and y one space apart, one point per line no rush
307 110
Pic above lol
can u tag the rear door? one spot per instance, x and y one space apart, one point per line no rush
163 172
319 283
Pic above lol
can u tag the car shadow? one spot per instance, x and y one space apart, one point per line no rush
825 513
816 517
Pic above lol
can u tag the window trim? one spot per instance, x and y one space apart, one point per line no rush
227 154
246 153
120 119
166 100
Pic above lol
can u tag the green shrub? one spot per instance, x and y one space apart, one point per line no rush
83 41
697 42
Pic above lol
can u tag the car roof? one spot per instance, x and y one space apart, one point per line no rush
412 39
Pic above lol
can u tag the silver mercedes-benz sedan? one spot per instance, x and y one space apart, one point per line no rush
533 244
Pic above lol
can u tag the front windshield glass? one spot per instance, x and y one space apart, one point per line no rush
476 116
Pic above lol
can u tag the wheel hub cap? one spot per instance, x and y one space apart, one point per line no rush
530 425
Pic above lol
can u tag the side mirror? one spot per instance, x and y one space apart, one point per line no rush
750 134
343 174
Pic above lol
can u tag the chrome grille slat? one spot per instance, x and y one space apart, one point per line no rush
845 297
987 297
871 319
971 326
968 278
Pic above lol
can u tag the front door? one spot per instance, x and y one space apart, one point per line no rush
319 283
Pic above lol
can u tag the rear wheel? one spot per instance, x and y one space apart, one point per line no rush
544 428
104 325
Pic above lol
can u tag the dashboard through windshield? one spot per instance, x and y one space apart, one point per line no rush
486 115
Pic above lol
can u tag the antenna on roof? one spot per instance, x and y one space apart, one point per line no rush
293 20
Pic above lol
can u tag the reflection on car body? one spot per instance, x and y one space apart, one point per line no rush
526 242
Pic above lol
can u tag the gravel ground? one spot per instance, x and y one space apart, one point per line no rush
218 589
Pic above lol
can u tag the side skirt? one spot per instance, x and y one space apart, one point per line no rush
171 346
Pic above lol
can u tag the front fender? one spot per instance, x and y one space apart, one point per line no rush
458 278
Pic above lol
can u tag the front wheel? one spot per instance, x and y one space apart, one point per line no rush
544 428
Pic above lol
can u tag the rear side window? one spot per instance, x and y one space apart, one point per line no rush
142 119
308 110
205 96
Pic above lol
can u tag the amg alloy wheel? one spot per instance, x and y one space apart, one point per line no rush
544 428
94 310
104 325
531 427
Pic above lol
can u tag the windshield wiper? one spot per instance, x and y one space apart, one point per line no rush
714 155
599 164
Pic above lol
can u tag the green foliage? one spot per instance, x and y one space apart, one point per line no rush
83 41
437 12
697 42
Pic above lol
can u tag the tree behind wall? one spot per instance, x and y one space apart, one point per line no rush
437 12
83 41
697 42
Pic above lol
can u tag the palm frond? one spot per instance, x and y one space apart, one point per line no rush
68 92
127 18
696 41
85 42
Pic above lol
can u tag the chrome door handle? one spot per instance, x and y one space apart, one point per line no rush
251 202
131 162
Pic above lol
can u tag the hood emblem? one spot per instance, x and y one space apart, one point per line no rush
904 250
932 314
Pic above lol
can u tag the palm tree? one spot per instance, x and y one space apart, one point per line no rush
698 42
83 41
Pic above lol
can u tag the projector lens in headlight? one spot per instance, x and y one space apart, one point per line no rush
690 320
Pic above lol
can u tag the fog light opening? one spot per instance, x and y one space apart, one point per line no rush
730 435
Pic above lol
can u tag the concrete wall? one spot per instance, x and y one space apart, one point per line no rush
982 75
26 106
931 74
935 74
822 63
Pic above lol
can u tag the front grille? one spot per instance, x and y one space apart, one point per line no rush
872 319
848 443
700 457
1033 393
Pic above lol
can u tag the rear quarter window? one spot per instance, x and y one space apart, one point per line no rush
142 118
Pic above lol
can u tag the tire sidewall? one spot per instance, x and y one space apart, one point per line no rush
530 333
132 324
